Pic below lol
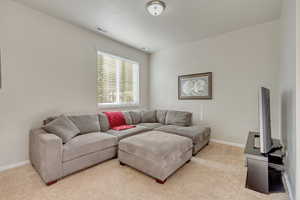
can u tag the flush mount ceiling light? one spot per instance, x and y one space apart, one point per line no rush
155 7
99 29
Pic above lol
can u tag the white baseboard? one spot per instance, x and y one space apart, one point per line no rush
228 143
287 184
6 167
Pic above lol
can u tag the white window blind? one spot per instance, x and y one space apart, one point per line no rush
117 80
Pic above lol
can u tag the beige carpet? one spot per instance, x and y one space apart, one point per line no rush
216 173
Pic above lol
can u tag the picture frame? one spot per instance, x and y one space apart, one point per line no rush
195 86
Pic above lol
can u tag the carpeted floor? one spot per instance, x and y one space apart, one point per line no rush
216 173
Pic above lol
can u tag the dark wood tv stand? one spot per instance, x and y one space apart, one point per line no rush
262 168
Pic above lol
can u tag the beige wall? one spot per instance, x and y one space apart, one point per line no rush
48 67
288 88
297 188
241 61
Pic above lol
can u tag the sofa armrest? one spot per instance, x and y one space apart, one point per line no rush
33 145
46 154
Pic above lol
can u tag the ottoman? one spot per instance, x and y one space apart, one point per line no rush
155 153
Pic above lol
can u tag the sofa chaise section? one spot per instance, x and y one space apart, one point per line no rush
199 134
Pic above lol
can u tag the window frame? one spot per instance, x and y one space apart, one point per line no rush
137 77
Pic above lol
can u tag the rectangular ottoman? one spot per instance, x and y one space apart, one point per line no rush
155 153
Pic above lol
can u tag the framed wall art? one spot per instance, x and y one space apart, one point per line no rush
195 86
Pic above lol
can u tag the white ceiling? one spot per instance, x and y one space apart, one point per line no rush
183 20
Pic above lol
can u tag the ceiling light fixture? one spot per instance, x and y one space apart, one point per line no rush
155 7
101 29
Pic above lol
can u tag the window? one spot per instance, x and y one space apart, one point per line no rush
117 81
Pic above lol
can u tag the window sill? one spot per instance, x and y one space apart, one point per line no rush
107 106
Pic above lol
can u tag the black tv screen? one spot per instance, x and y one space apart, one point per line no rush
265 120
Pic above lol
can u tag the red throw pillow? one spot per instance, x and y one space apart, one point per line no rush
115 119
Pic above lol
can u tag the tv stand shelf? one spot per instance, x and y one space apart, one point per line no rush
262 167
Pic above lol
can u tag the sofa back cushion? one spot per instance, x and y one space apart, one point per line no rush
136 116
49 119
104 123
161 116
148 116
86 123
179 118
127 117
63 127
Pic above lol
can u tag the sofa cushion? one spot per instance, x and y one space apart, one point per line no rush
127 117
86 123
128 132
148 116
87 143
63 127
135 116
49 119
179 118
104 123
151 125
197 133
156 146
115 118
161 116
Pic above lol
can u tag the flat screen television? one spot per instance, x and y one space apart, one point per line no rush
266 143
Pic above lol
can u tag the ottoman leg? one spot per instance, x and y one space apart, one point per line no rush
51 183
160 181
122 163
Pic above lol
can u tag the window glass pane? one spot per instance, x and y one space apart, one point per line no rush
106 79
117 80
126 83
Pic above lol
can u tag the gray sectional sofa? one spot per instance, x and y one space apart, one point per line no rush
88 140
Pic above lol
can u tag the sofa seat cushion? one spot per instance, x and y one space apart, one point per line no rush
151 125
128 132
156 146
86 144
197 132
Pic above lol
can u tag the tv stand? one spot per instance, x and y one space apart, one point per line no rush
262 168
